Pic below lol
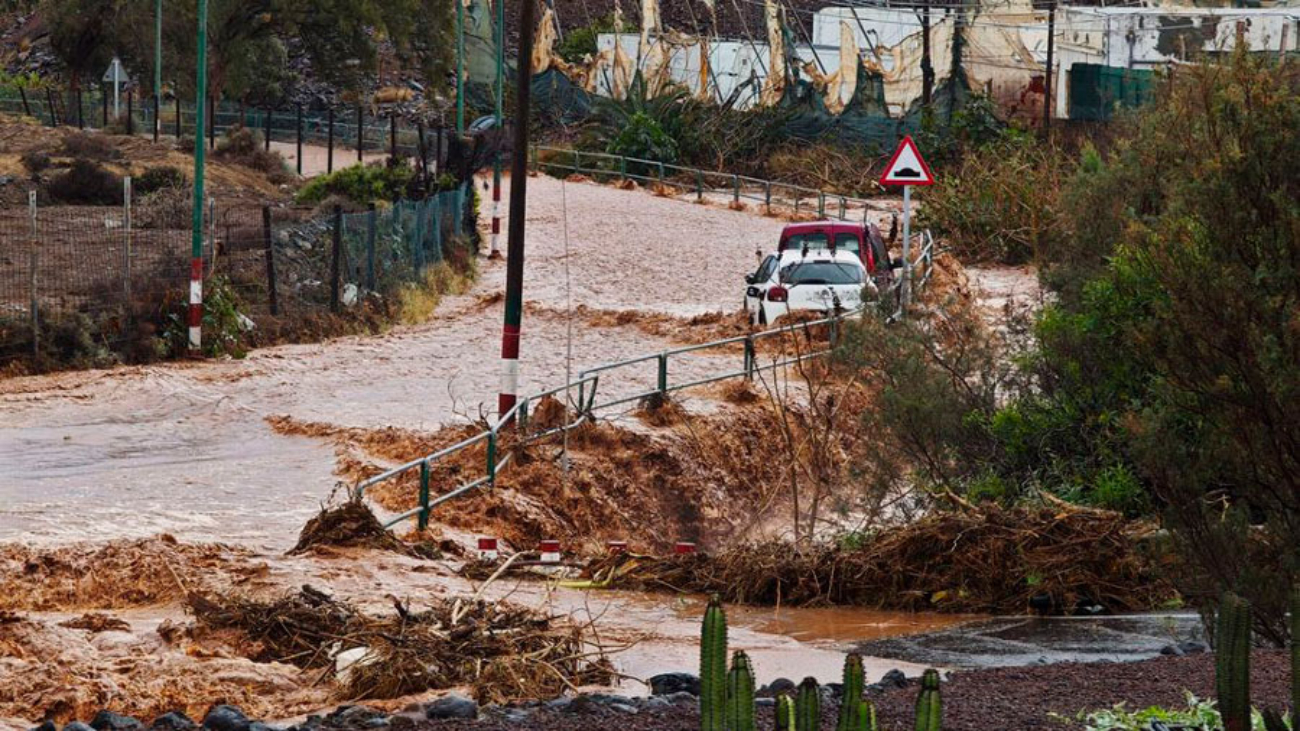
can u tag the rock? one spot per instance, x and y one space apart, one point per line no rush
174 721
226 718
350 294
835 690
669 683
606 699
77 726
109 721
1172 651
681 698
47 726
656 702
1193 647
781 685
559 703
894 678
763 702
624 708
452 705
259 726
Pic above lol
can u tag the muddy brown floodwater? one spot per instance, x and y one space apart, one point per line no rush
184 448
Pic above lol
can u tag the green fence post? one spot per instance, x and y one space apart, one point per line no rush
370 247
661 173
422 521
699 186
749 357
460 211
735 189
767 194
417 245
492 458
663 375
821 204
842 204
577 161
523 416
622 166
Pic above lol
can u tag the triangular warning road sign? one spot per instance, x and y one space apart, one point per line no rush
907 167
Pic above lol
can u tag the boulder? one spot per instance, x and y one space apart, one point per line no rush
226 718
109 721
669 683
174 721
452 705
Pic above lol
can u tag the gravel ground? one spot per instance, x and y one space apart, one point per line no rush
1005 698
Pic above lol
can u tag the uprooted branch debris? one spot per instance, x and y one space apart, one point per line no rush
985 559
352 524
502 651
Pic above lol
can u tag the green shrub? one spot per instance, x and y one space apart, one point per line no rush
88 146
360 184
85 183
157 178
642 137
581 41
35 162
1001 203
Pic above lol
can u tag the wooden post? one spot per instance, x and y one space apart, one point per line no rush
49 98
157 119
392 137
130 116
81 115
270 261
361 131
329 156
299 156
1047 77
267 141
27 108
103 105
178 118
336 259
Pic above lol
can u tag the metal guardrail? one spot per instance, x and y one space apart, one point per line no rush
700 181
586 405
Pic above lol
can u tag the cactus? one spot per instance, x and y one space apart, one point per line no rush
929 705
1295 656
862 717
808 706
785 718
1232 662
740 694
854 684
713 668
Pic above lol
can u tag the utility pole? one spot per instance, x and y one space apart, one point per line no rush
157 66
1047 77
499 89
196 223
927 69
460 66
518 201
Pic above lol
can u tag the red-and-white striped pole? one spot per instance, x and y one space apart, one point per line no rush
196 304
495 253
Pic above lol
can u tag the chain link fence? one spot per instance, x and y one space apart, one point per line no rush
95 285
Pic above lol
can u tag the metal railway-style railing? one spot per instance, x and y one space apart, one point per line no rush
702 182
588 403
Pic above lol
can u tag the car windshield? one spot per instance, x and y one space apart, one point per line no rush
844 241
821 272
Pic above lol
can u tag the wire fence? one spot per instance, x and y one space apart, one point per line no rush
349 133
92 285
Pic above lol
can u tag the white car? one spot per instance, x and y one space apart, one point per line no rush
817 280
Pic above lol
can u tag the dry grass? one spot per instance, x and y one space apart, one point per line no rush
417 301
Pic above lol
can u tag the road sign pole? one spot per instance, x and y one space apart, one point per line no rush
196 224
907 245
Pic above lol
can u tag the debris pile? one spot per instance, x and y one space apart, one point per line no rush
351 524
985 559
503 652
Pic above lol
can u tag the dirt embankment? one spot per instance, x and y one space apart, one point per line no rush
127 155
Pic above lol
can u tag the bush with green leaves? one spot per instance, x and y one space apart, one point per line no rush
359 184
86 182
581 41
157 178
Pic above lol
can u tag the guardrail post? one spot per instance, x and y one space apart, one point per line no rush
735 189
663 375
749 358
796 201
492 458
821 204
577 161
523 416
767 195
842 204
661 173
422 521
622 166
699 186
